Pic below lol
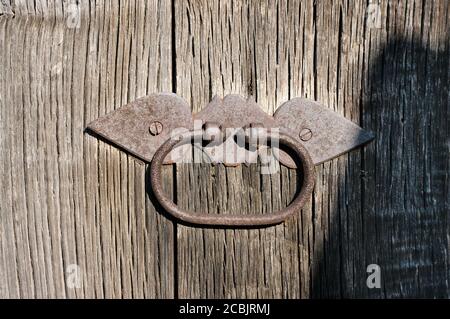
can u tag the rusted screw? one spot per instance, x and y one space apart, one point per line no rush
305 134
155 128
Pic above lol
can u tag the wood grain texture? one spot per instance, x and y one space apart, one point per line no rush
70 199
406 102
387 204
216 48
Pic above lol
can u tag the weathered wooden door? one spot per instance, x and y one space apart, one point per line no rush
77 217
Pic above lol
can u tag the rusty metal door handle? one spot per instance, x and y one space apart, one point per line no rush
146 127
230 219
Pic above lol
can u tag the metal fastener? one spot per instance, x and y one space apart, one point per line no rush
305 134
295 121
155 128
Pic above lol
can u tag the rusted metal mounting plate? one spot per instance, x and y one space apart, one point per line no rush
324 133
232 113
142 126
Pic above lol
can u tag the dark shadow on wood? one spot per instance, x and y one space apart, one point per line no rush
403 222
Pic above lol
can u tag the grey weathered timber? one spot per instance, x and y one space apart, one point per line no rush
386 205
69 199
66 197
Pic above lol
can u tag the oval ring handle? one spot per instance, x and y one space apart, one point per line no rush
232 219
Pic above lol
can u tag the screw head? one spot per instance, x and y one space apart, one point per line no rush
155 128
305 134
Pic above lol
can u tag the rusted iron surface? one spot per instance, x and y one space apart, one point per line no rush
233 219
232 113
324 133
142 126
160 128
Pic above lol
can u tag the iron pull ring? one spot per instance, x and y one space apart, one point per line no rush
231 219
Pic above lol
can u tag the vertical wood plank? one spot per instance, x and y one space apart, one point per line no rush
405 103
70 199
237 47
372 206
